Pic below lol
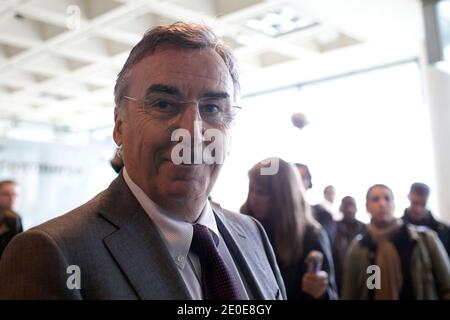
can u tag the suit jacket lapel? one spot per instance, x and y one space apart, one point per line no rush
236 238
138 248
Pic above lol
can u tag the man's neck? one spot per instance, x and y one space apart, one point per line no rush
383 224
349 220
417 219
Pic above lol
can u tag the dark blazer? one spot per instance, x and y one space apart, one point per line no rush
121 255
325 219
346 231
442 230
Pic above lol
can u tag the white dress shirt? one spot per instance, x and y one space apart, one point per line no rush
177 235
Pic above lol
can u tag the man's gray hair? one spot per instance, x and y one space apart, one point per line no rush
182 35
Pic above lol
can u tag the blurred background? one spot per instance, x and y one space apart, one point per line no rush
372 78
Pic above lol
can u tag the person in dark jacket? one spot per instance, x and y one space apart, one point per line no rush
346 230
319 213
325 218
10 225
418 214
10 221
277 200
394 260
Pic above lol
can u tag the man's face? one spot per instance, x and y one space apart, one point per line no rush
418 204
306 182
259 200
380 205
8 195
330 194
184 75
348 208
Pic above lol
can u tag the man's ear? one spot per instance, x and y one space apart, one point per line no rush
118 121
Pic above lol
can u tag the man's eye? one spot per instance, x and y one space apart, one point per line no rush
211 108
162 105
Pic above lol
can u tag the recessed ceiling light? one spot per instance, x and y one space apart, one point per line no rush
280 22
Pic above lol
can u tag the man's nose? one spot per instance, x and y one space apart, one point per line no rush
191 121
384 204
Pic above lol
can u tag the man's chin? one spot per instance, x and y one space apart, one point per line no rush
184 190
181 171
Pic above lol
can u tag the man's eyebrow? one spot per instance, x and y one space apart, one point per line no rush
216 94
163 88
171 90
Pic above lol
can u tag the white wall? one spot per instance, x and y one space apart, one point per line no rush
371 127
437 95
54 178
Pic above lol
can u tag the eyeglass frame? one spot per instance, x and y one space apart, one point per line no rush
186 102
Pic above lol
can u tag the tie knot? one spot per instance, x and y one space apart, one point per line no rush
202 241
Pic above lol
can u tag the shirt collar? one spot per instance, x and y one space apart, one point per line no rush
177 233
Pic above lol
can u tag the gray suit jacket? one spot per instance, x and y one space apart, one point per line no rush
121 255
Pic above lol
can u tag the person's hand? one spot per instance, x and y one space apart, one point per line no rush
315 284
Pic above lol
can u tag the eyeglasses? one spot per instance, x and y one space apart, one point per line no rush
214 110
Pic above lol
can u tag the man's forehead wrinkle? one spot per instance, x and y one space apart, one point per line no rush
162 88
182 83
183 62
206 73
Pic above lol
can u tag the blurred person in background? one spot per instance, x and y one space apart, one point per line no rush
346 230
10 226
418 214
319 213
411 262
8 194
277 201
10 222
329 196
323 212
305 174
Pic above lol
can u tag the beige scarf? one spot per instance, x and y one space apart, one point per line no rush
388 260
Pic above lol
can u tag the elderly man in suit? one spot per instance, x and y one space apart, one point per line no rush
152 234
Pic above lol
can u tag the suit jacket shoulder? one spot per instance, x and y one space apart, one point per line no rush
119 254
110 240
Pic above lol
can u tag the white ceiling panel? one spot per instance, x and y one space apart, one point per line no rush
59 58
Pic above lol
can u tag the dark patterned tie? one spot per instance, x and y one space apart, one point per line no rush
217 281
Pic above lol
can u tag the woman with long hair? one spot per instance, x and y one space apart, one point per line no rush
277 200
